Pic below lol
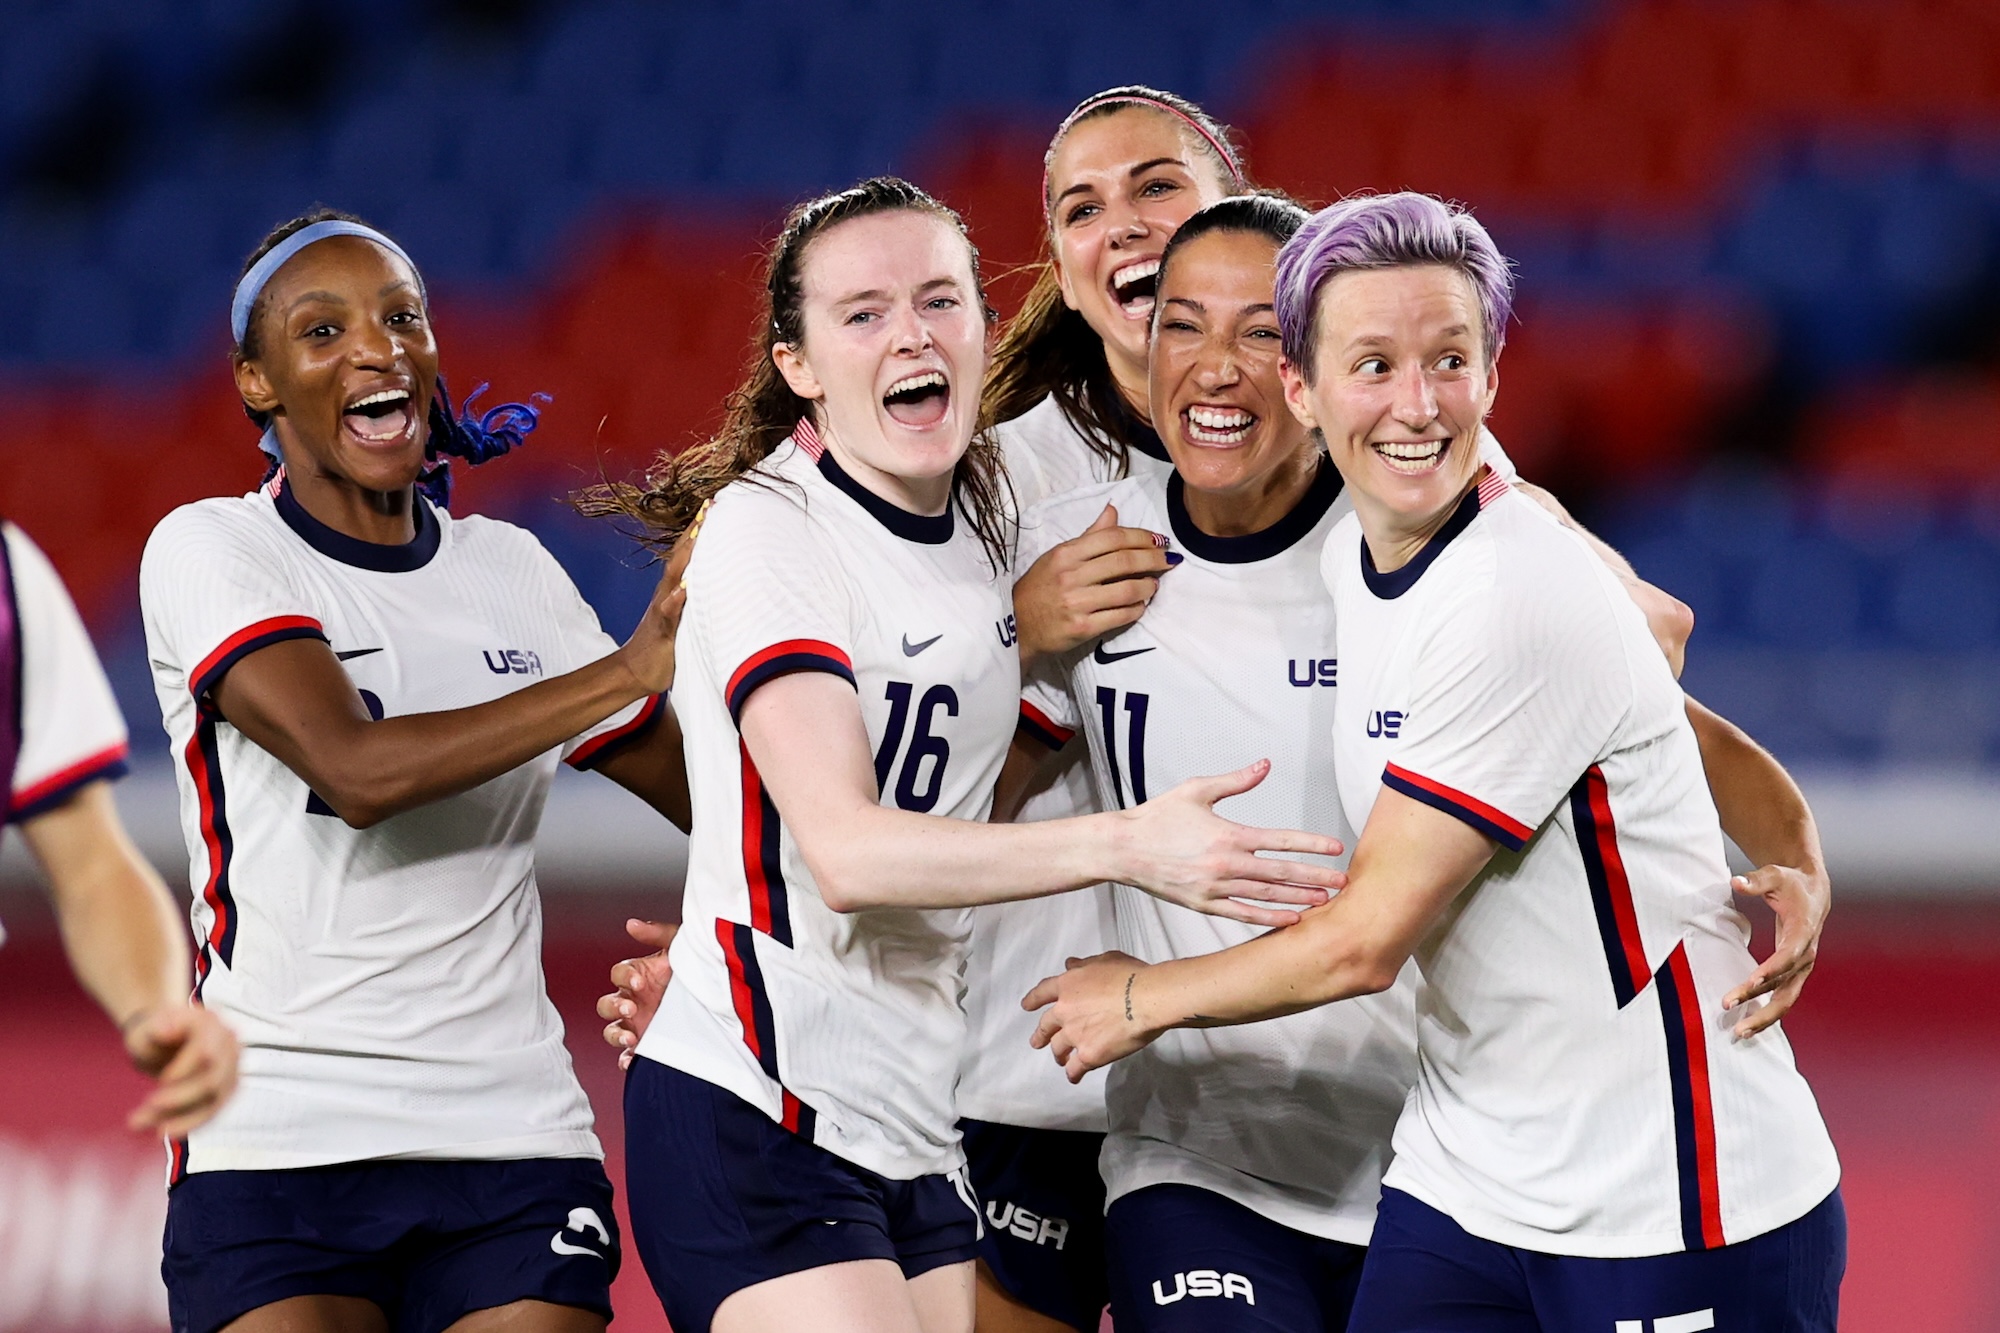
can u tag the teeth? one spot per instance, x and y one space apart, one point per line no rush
910 383
1410 455
1132 273
386 396
1216 419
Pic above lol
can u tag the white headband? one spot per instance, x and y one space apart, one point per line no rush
252 284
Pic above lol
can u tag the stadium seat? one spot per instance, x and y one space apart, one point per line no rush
1946 596
1806 594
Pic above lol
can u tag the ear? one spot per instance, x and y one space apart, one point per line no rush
1492 384
791 363
253 386
1295 395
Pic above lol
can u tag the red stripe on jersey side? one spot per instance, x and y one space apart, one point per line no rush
1492 487
1043 727
1503 828
603 745
58 787
177 1160
763 871
246 641
1694 1106
1610 889
782 659
204 763
727 934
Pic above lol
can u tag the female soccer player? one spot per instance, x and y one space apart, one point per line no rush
62 744
1587 1144
1221 1158
368 697
850 689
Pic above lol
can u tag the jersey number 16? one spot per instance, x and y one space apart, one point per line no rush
923 745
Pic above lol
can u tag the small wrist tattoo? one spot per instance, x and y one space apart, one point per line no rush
1129 979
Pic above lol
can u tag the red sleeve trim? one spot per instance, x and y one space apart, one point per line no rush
58 787
605 744
246 641
1503 828
1043 727
782 659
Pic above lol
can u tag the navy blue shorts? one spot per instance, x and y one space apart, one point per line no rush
1188 1259
723 1197
1044 1241
428 1242
1425 1272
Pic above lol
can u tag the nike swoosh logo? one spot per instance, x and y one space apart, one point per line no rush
1103 658
912 649
561 1246
356 652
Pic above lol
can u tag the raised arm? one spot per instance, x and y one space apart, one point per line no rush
129 948
1410 863
294 699
805 734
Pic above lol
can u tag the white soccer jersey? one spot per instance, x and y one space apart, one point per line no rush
1579 1091
386 982
845 1028
1234 662
62 728
1015 945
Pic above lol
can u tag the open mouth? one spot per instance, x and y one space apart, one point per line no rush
918 400
1217 425
380 418
1412 458
1133 286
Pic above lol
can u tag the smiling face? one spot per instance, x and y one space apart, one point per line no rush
346 364
1218 399
1401 382
1120 185
895 350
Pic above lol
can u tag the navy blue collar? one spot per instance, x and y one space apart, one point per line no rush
1251 547
413 554
1399 581
1142 436
929 529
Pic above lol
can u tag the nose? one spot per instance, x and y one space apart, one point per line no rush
375 345
1126 223
908 332
1416 401
1216 365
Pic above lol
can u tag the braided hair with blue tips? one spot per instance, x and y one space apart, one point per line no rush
462 433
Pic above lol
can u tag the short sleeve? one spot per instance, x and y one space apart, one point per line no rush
1516 692
72 733
1048 709
1491 454
584 641
213 594
766 595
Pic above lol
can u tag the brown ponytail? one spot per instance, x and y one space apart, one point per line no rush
762 412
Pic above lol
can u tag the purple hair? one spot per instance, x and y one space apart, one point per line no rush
1376 231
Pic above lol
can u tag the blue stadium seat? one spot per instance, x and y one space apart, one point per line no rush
1807 594
86 315
647 146
452 232
1945 595
1690 571
1931 236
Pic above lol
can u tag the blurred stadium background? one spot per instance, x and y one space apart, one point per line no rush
1759 244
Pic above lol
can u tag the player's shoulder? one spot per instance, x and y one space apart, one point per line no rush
1528 548
494 540
212 528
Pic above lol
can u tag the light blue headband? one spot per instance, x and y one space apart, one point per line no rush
252 284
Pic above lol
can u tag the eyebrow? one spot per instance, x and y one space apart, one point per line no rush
1137 171
878 294
332 298
1379 340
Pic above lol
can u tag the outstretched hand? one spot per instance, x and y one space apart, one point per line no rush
1801 902
637 987
649 651
192 1054
1089 1020
1188 854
